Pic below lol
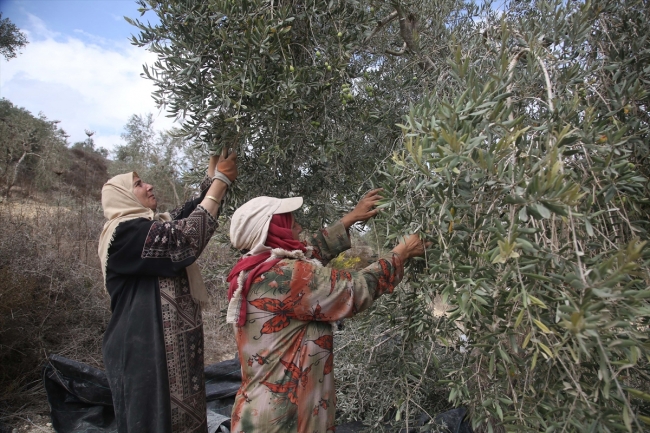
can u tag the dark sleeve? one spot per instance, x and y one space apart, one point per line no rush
159 248
186 209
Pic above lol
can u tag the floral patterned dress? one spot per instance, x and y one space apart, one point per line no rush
286 345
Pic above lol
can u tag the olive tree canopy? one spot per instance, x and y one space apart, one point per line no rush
307 92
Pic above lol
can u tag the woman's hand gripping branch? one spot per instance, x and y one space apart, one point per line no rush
222 169
411 246
364 210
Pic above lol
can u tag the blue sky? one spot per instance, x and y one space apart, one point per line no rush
79 66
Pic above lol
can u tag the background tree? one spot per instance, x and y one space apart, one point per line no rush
154 156
11 38
88 145
32 147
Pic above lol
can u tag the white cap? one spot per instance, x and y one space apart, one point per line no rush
249 225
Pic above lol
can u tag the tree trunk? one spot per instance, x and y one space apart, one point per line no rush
178 200
15 176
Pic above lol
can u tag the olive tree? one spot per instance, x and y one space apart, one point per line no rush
521 153
307 92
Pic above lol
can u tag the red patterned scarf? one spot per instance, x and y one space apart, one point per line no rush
279 236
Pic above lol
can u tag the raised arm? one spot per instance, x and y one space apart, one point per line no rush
160 248
184 210
330 242
334 294
324 294
164 248
213 189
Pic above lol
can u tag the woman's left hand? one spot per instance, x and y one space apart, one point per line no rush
364 210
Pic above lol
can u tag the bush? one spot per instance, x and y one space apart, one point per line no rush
383 378
528 179
51 295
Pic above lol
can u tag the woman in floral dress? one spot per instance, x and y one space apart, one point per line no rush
283 302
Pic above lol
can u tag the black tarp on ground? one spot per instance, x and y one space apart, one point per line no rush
80 399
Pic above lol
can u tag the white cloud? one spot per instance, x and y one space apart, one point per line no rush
39 28
94 38
84 85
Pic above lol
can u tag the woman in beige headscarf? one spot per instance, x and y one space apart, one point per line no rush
283 301
153 345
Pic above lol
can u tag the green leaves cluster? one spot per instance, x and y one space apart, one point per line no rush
528 181
306 92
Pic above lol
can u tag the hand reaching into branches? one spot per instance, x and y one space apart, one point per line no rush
224 164
411 246
364 210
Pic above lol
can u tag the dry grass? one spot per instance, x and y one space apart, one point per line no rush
215 262
51 298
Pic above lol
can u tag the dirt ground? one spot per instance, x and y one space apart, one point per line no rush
35 424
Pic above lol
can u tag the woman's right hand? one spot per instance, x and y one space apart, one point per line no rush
410 246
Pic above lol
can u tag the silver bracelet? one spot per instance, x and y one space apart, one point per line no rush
222 177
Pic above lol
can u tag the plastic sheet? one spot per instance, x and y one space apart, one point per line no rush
80 399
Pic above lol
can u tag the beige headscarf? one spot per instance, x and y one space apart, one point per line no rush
120 204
